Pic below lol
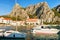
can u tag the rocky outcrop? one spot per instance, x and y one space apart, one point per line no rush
56 18
19 12
41 10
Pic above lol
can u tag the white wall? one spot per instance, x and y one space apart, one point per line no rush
1 20
34 23
7 21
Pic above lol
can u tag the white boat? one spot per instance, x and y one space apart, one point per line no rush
12 33
43 30
1 32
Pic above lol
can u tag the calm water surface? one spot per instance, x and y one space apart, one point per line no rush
30 36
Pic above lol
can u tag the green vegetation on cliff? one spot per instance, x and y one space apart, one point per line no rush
52 23
56 13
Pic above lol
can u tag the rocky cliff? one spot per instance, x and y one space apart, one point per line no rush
19 12
40 10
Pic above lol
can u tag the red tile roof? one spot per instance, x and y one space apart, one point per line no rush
7 18
32 20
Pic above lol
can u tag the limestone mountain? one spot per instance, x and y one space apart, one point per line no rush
18 12
40 10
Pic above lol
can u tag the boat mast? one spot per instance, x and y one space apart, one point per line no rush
16 14
42 21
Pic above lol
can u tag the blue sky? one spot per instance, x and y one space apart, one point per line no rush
7 5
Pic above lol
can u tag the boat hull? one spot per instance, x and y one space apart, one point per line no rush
45 31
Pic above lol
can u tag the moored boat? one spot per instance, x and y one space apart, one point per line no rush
13 34
43 30
1 32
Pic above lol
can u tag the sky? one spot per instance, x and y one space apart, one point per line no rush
6 6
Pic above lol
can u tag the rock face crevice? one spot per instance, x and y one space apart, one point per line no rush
41 10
